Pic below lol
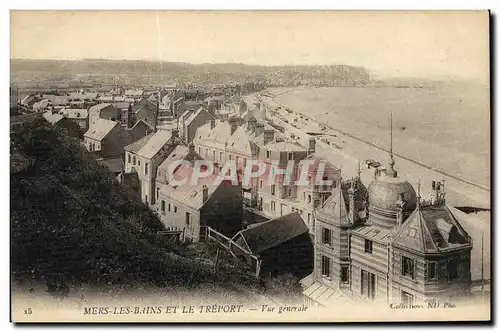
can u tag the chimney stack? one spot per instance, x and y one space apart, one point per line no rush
312 145
251 125
243 107
259 129
212 123
234 125
268 136
205 193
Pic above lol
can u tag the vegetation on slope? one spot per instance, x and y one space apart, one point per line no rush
71 222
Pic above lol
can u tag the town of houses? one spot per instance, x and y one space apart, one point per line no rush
379 241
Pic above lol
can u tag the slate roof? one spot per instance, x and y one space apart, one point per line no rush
100 129
220 134
373 233
52 118
96 109
190 194
57 100
181 152
137 145
155 143
431 229
268 234
121 104
194 116
74 113
334 209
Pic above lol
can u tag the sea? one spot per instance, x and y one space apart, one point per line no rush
445 126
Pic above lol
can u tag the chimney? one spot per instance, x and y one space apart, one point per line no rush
243 107
251 125
212 123
234 125
205 193
259 129
353 208
312 145
400 204
268 135
191 148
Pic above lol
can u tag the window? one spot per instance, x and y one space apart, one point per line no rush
213 154
308 198
133 160
344 274
162 206
326 237
206 152
129 158
432 273
273 189
175 209
452 269
244 162
138 162
290 156
157 192
367 284
268 154
273 206
368 246
168 207
188 216
406 298
308 218
230 157
260 184
408 267
146 169
221 156
284 208
334 183
325 266
199 150
290 192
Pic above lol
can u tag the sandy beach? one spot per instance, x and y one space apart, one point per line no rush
344 141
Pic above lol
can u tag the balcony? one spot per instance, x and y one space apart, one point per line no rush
323 188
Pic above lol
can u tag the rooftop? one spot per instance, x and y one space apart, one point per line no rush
268 234
155 143
101 129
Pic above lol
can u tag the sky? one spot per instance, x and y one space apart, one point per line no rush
390 44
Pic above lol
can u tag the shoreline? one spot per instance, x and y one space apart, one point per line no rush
461 191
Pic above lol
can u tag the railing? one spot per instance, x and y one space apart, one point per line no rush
228 244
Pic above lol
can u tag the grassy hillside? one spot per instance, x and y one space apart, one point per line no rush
72 223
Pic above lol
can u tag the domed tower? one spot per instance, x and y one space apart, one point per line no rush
391 199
